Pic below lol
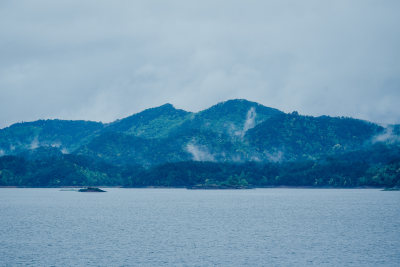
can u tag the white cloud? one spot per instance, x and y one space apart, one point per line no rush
103 60
387 136
199 153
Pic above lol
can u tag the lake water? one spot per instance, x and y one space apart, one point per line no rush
178 227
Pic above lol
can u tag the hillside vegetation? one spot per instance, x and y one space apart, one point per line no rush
236 142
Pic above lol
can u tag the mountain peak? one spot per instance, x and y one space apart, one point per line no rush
138 123
165 106
241 106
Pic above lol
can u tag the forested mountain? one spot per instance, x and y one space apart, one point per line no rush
305 136
151 123
65 135
238 140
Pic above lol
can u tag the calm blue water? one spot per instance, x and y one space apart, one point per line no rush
178 227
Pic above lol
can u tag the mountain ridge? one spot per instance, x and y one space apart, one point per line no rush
233 143
242 129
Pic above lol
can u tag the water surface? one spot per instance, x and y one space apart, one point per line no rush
178 227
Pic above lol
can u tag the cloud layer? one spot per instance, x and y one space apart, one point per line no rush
102 60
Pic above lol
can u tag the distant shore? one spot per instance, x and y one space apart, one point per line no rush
204 188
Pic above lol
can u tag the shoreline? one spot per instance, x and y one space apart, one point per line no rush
191 188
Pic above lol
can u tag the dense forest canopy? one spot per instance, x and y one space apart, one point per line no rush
233 143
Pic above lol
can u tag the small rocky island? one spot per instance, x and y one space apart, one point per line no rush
396 188
92 190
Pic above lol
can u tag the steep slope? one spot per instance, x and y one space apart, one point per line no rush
233 118
167 134
151 123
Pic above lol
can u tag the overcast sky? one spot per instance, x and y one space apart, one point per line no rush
103 60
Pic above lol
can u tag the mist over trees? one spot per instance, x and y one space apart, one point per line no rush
234 143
